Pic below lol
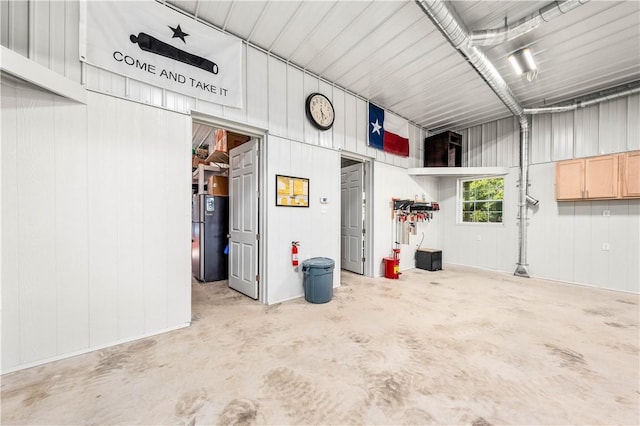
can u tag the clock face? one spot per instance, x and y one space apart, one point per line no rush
320 111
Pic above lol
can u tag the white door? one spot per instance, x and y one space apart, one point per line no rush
351 229
243 218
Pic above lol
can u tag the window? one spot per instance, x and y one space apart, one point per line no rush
482 200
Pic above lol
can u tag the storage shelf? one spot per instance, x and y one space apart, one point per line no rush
458 171
202 173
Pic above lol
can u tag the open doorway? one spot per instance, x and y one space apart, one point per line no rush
225 210
355 240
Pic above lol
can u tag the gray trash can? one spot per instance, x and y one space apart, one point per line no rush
318 279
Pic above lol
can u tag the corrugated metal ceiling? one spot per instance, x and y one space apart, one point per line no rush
391 53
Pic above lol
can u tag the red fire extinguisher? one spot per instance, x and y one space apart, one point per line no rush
294 253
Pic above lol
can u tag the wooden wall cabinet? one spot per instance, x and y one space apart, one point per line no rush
630 174
443 150
599 178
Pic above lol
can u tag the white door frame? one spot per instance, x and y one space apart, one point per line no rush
262 136
367 183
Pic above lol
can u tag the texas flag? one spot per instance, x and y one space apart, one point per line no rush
388 132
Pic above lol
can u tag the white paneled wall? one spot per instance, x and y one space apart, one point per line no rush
487 246
87 232
316 228
391 182
564 238
55 43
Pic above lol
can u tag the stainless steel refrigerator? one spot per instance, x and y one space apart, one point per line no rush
209 229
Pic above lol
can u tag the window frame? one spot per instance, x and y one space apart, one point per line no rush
460 201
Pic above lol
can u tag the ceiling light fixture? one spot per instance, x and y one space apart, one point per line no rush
522 61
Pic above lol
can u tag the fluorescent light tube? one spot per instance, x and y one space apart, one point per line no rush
515 64
529 58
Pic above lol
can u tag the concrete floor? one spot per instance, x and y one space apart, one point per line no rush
459 346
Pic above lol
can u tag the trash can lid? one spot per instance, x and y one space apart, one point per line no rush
318 262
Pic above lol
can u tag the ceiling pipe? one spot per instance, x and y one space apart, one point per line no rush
509 32
454 30
583 104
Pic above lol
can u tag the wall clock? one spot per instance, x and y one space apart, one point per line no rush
320 111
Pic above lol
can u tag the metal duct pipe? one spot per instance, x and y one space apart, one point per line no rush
454 31
576 105
509 32
522 269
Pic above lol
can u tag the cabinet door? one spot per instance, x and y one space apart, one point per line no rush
601 177
570 179
630 174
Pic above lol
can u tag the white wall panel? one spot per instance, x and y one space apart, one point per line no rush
544 231
178 243
129 211
633 123
350 123
57 34
562 136
416 147
178 102
393 182
586 135
612 136
105 81
600 260
286 224
36 226
72 66
19 27
362 128
474 146
311 85
295 103
112 259
489 144
583 248
633 254
72 234
5 15
240 114
40 32
489 246
55 44
277 72
465 146
339 123
623 238
210 108
144 92
153 145
257 89
103 238
9 262
280 271
508 143
540 139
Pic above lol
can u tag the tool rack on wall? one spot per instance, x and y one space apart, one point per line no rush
406 214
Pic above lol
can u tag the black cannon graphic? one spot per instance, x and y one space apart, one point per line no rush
153 45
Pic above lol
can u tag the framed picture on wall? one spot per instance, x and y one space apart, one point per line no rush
292 191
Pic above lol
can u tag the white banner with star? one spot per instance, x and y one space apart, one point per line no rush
150 42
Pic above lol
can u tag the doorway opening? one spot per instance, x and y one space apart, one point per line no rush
225 243
355 197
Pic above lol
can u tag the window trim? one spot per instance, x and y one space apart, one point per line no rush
460 200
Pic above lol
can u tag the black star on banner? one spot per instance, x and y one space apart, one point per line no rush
177 32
